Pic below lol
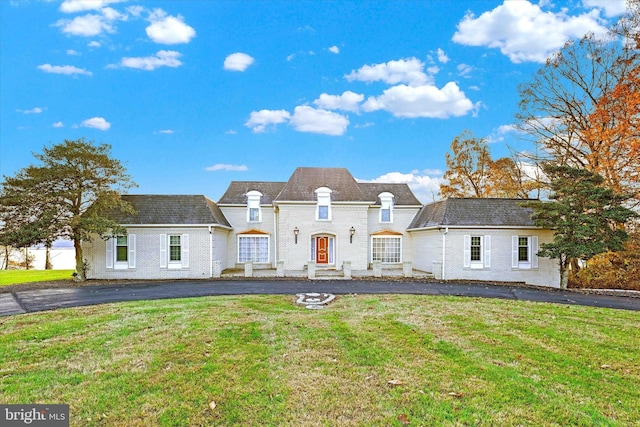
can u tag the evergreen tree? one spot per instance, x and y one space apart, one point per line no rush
586 215
68 196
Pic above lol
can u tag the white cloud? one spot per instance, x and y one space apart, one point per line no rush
290 57
135 11
334 49
167 29
72 52
464 70
166 131
58 125
237 62
225 167
348 101
96 123
164 58
63 69
422 101
34 110
111 14
409 71
260 120
424 186
309 119
231 132
94 44
87 25
523 31
611 7
442 57
74 6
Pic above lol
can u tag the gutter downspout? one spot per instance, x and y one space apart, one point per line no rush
444 246
275 235
210 253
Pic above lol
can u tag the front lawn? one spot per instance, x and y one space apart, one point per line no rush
13 277
380 360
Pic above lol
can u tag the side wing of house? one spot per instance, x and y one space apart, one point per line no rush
170 237
482 239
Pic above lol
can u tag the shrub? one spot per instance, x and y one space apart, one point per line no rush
612 270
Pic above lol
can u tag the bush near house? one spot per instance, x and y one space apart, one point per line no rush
612 270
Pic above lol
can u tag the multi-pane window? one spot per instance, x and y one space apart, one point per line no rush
254 214
253 249
386 249
476 248
523 249
122 249
174 248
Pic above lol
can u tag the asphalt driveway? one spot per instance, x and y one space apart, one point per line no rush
30 301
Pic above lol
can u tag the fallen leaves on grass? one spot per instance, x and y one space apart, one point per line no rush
404 419
212 405
455 394
395 382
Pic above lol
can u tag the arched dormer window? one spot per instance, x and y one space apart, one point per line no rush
323 208
386 207
254 213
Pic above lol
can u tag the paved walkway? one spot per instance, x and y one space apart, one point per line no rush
50 299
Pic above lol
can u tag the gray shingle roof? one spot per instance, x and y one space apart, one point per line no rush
402 194
305 181
171 209
473 212
236 194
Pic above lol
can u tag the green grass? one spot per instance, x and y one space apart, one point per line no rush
12 277
265 361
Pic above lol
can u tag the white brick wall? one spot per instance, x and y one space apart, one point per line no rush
428 248
148 255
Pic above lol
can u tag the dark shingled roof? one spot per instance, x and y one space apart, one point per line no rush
402 194
236 194
305 181
474 212
169 209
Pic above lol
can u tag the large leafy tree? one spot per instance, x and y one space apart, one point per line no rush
586 216
68 195
472 173
581 107
467 167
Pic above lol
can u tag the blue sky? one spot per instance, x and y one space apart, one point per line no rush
195 94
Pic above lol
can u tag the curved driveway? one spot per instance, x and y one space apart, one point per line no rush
50 299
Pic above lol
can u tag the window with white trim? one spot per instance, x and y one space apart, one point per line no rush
122 249
121 252
174 251
253 248
254 212
477 251
323 207
386 249
524 252
386 207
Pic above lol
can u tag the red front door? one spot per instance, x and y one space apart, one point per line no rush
322 250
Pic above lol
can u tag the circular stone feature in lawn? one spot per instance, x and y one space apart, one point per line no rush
314 300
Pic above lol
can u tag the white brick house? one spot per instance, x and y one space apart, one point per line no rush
323 219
